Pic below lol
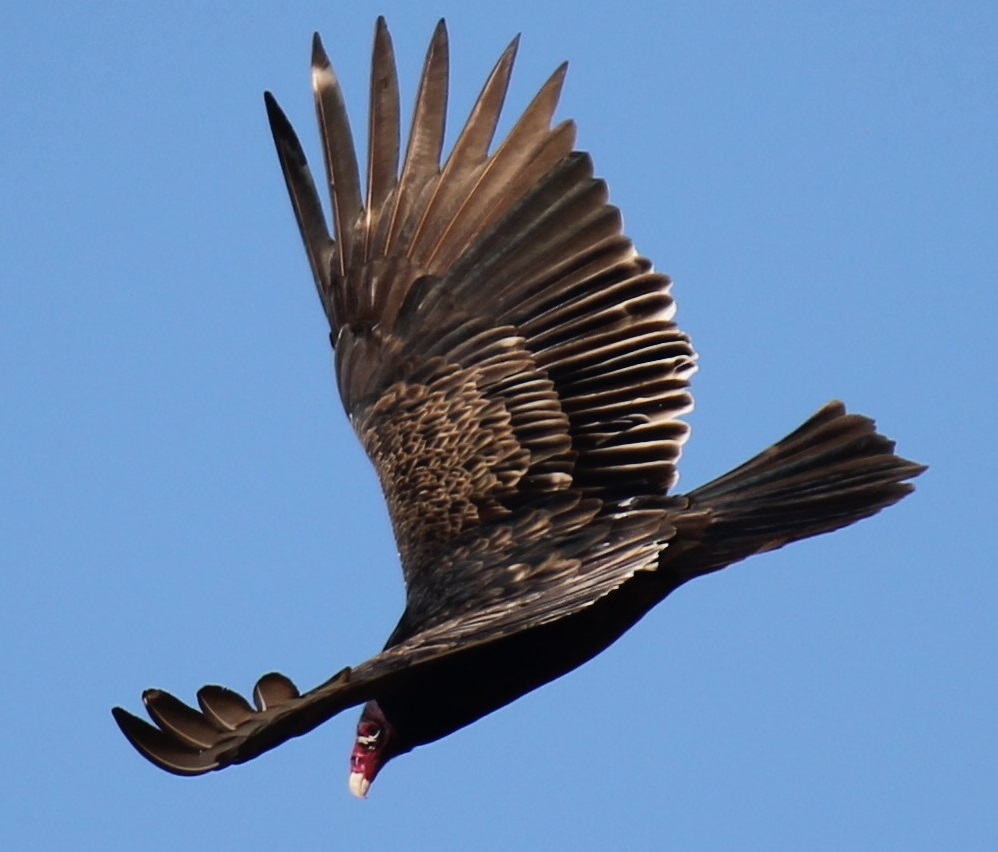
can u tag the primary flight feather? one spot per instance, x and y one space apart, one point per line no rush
513 369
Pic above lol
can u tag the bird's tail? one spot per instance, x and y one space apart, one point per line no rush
832 471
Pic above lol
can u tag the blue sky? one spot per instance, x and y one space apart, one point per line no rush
183 501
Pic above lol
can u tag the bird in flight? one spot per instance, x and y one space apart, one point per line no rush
513 369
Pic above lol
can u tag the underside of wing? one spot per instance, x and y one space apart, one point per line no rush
592 561
498 339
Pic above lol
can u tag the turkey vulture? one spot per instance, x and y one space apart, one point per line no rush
512 368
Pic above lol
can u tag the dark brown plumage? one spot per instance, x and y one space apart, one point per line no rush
512 368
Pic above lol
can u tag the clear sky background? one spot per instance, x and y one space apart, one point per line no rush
183 501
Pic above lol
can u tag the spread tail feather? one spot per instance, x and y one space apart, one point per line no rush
832 471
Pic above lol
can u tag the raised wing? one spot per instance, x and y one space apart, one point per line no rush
498 340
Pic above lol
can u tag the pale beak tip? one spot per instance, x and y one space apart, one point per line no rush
359 785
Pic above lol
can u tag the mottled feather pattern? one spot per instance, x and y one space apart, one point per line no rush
446 449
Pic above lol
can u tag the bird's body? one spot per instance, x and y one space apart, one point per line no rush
513 369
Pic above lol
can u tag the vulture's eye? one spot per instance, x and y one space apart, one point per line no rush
369 741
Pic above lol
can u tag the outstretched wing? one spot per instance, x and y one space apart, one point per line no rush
498 340
227 729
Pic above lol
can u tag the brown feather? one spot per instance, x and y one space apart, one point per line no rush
319 246
426 139
383 136
469 153
341 159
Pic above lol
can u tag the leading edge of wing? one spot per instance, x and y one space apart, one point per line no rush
227 729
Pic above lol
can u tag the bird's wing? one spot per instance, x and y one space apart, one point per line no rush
227 729
498 340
